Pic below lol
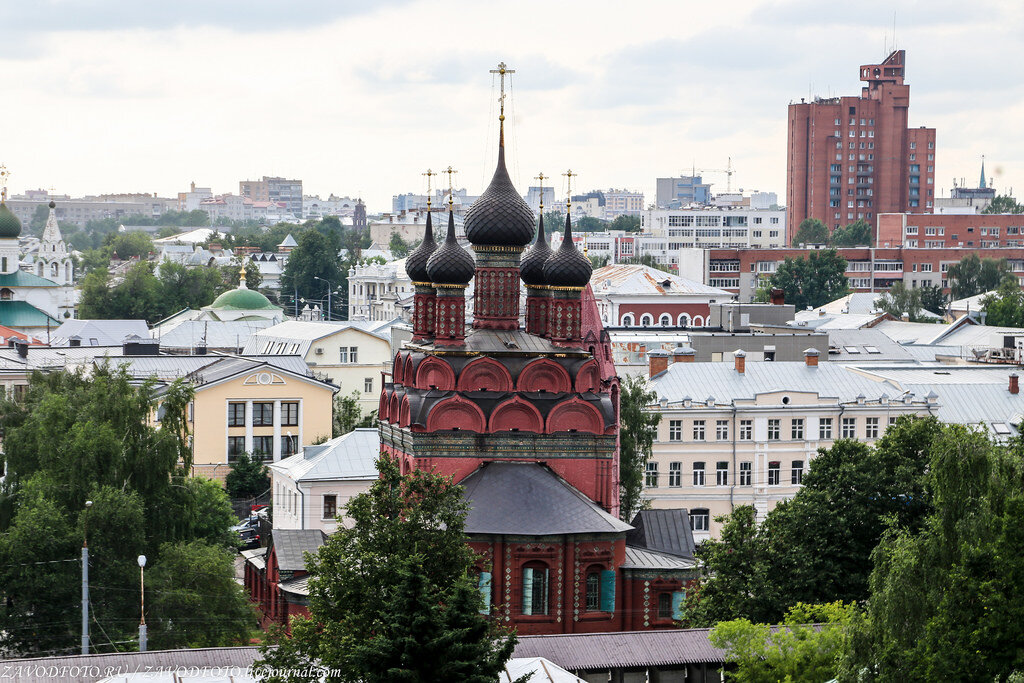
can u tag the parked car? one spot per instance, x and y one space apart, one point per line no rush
249 539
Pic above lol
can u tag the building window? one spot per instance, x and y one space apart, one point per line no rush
871 428
665 606
722 473
263 446
774 429
262 414
593 591
698 430
287 446
722 430
651 475
798 472
824 427
746 430
348 354
236 447
849 427
892 420
773 474
675 430
236 415
368 385
698 474
535 589
675 474
290 414
746 472
798 429
330 506
699 519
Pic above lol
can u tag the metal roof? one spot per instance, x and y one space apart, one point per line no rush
538 669
23 314
21 278
864 345
104 332
528 499
289 544
638 280
622 649
60 669
217 334
641 558
351 456
663 531
296 336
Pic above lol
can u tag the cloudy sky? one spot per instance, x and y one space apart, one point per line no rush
361 97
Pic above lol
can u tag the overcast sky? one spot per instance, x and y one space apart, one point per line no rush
361 97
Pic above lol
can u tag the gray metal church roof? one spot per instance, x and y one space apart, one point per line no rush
289 544
662 531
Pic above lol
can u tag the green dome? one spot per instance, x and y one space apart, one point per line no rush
10 226
242 299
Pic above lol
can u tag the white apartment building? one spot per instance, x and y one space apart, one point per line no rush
314 208
716 228
375 291
745 433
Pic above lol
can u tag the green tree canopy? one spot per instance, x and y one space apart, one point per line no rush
637 429
1005 308
249 477
856 234
811 231
974 275
314 258
813 280
393 598
900 300
1004 203
348 415
128 245
934 299
627 223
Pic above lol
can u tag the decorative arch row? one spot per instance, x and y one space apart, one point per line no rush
515 415
664 320
486 374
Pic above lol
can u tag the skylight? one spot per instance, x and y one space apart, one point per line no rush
872 349
1001 428
851 349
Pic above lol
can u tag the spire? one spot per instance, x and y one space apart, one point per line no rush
51 233
981 183
450 264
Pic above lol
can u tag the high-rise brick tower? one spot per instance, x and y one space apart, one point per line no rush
853 158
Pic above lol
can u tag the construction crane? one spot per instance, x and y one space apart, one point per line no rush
728 171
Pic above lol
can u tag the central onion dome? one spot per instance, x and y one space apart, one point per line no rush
10 226
531 270
500 216
416 262
450 264
567 267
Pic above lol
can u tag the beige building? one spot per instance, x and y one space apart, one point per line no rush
313 487
350 354
246 405
745 433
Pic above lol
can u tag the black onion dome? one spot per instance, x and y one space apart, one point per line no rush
531 270
500 216
450 264
416 262
567 267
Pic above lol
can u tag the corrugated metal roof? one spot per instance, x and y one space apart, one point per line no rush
21 278
23 314
104 332
217 334
539 670
289 544
626 279
351 456
597 651
662 531
497 491
864 345
60 669
642 558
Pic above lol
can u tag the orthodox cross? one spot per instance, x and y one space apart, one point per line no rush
429 175
541 178
502 70
569 175
5 175
451 185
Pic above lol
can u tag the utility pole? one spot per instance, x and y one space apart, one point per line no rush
142 603
85 581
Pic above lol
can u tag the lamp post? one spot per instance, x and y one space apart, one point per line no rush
330 287
85 580
142 603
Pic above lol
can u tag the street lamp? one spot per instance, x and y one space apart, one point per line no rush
85 580
142 603
330 287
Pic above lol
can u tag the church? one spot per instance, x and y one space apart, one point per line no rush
523 411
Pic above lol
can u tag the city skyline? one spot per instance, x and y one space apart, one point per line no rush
119 98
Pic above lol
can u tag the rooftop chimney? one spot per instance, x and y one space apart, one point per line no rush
1014 383
658 362
811 358
740 358
683 354
778 297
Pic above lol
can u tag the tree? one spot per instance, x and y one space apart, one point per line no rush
599 261
194 600
901 300
856 234
348 415
813 280
811 231
807 646
38 220
637 428
399 247
974 275
933 299
182 287
129 245
625 222
248 478
945 599
1005 308
230 275
311 266
138 296
1004 203
589 224
393 597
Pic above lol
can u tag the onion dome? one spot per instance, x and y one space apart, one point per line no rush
500 216
10 226
450 264
416 262
531 270
567 267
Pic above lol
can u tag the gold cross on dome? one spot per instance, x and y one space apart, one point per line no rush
569 175
501 71
451 185
540 176
429 175
5 176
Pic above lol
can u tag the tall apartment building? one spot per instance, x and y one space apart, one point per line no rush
274 189
853 158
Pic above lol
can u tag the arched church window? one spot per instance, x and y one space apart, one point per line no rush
666 320
646 320
6 294
628 320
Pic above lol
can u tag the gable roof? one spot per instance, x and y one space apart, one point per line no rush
289 544
351 456
524 498
663 531
105 332
638 280
296 336
632 649
23 314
